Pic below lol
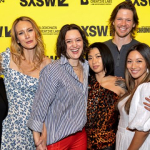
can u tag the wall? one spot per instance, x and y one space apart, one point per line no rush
51 15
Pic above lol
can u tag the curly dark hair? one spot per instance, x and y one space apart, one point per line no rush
61 45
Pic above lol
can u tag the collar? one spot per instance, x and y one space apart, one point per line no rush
64 60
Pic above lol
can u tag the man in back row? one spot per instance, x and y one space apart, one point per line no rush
123 26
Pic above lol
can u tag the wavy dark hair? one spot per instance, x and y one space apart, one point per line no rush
107 58
144 50
61 44
124 5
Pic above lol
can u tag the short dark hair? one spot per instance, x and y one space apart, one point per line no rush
107 58
61 45
124 5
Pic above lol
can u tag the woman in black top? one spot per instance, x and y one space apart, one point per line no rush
3 103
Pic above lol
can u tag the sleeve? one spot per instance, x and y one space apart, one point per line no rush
44 96
5 59
139 117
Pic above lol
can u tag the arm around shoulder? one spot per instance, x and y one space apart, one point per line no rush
121 85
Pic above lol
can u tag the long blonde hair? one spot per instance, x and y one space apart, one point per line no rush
17 49
144 50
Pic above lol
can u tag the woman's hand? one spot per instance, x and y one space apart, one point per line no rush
41 145
43 137
40 140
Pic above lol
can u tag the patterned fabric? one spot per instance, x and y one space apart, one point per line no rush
102 119
60 101
20 91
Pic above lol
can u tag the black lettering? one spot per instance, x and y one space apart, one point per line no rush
1 29
48 2
102 30
92 30
61 3
2 1
7 33
53 57
31 2
23 3
143 3
128 0
136 2
84 2
40 3
85 29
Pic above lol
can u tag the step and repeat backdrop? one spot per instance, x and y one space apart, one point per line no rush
51 15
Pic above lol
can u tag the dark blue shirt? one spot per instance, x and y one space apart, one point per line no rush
119 56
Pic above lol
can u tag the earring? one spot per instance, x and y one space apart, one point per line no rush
147 70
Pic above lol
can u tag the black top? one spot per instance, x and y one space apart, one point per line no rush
120 56
3 105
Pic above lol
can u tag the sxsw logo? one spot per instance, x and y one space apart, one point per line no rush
40 3
2 1
140 2
4 30
84 2
95 30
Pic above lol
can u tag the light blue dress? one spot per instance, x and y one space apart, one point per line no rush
20 91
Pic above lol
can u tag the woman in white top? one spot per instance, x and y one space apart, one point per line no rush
134 124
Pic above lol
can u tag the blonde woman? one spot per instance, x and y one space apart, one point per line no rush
21 65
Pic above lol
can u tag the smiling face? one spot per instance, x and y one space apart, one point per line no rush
136 66
95 61
123 23
74 44
25 35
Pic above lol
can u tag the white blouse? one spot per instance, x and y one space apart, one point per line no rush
139 117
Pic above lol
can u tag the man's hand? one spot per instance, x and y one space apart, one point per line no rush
147 104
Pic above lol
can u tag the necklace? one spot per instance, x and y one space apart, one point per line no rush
79 72
76 65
